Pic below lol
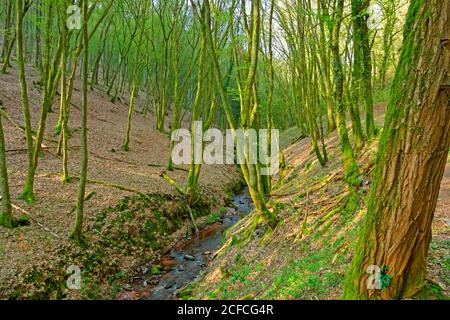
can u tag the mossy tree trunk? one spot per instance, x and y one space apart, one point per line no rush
77 230
6 212
7 27
247 87
27 193
413 152
363 60
64 112
350 166
50 77
136 76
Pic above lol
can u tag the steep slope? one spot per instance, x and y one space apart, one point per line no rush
307 255
33 259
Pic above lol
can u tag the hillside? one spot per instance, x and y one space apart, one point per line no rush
33 258
306 257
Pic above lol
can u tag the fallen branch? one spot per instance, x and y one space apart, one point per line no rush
7 117
113 159
109 184
162 166
21 128
36 221
172 182
43 149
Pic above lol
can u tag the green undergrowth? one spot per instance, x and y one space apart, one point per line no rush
302 260
314 269
22 221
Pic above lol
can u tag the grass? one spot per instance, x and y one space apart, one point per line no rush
213 218
314 275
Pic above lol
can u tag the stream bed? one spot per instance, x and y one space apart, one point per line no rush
188 259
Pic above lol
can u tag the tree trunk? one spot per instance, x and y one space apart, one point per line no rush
76 233
6 212
7 27
413 152
350 166
363 60
27 193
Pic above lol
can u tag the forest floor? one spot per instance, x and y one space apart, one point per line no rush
308 254
135 216
128 190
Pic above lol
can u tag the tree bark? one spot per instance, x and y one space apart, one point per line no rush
413 152
6 212
77 231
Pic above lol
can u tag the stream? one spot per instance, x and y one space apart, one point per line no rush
188 259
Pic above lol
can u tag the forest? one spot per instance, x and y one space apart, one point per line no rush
224 149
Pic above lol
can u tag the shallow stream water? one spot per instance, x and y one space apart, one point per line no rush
186 261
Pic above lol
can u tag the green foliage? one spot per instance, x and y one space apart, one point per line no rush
385 278
213 218
156 269
22 221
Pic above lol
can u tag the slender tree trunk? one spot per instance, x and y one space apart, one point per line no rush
27 193
135 80
50 74
363 60
413 152
7 27
6 212
350 166
64 113
38 15
77 230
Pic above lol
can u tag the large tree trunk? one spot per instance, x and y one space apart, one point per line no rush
413 152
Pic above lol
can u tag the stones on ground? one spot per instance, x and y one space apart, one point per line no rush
170 285
144 270
260 232
180 268
231 212
127 287
145 283
209 255
189 257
